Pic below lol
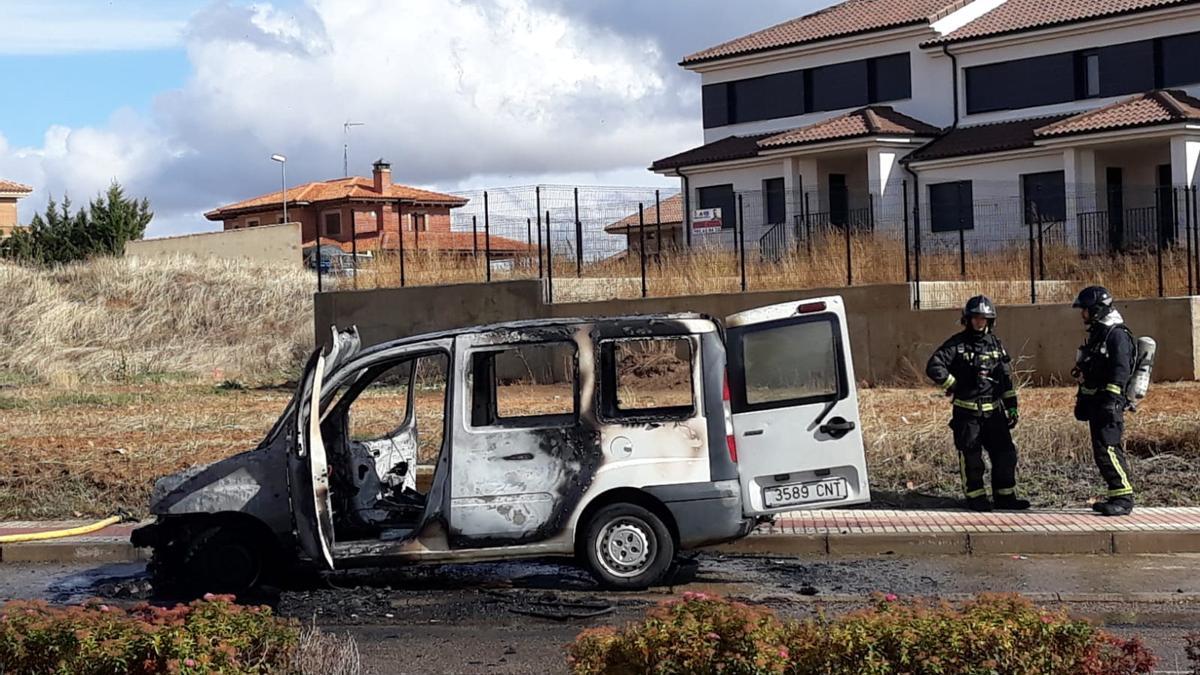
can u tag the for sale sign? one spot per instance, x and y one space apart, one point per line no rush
706 221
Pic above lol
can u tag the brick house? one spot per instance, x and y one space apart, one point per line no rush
10 192
670 226
375 209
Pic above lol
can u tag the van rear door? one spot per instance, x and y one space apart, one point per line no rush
795 408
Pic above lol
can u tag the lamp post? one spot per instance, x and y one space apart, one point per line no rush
346 146
283 181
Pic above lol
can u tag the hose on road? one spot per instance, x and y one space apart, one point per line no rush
59 534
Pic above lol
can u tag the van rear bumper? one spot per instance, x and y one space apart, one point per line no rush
705 513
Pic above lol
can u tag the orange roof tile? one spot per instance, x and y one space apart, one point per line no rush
672 214
355 187
14 187
1016 16
847 18
863 122
1154 107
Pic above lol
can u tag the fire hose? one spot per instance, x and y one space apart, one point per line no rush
68 532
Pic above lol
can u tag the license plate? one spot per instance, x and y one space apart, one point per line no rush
828 490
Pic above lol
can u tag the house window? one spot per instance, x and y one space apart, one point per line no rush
1180 56
333 223
527 385
647 376
1090 74
841 85
418 222
950 207
1024 83
889 78
1044 196
719 197
776 200
252 222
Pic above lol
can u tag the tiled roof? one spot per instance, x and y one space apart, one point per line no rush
867 121
732 147
863 122
1015 16
12 186
984 138
1155 107
672 213
847 18
355 187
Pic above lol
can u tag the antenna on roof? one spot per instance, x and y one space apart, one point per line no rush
346 146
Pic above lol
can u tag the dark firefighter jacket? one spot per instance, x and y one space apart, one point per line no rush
1106 360
974 368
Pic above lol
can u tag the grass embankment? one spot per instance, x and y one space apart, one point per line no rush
86 451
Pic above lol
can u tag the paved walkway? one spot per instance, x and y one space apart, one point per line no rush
831 531
888 521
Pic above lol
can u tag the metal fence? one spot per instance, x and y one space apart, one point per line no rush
605 242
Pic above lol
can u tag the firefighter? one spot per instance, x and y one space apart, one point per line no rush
975 371
1103 366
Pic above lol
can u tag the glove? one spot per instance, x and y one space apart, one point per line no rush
1012 418
1081 411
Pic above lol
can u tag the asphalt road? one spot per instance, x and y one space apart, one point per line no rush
518 617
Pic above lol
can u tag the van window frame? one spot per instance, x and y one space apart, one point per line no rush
608 410
524 422
737 371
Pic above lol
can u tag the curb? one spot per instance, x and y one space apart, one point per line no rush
113 550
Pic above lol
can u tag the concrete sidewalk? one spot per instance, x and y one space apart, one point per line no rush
827 532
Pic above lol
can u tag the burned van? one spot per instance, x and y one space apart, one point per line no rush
617 441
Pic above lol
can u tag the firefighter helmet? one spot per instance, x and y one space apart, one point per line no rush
1096 300
980 305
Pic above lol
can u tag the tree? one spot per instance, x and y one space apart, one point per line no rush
59 236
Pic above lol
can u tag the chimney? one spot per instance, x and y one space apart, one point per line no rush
383 175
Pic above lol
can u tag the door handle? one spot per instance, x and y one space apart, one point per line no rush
521 457
837 427
754 432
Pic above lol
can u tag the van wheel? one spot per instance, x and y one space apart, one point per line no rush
626 547
223 560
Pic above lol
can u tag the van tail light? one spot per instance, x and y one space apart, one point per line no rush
728 409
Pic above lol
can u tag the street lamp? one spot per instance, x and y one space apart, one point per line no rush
283 181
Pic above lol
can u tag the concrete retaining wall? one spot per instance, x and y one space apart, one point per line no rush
890 342
271 244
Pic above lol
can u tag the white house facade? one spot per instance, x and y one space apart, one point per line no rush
967 119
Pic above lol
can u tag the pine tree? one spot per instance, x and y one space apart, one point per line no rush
59 236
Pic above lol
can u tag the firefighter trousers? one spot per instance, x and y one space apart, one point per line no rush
1106 422
975 432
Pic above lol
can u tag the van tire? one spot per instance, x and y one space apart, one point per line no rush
224 559
627 547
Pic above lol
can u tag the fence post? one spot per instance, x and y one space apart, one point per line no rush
578 239
642 244
916 249
549 258
537 209
807 227
528 240
657 230
1041 249
1187 232
400 217
1032 268
1158 257
849 260
741 233
962 252
1196 235
907 253
686 221
487 238
474 236
317 261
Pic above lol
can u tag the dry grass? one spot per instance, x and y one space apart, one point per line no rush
88 451
320 653
119 319
1003 271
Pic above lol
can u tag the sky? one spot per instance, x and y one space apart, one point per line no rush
184 101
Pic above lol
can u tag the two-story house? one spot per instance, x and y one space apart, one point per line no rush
972 115
368 214
10 192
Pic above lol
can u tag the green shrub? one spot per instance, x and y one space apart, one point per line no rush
992 634
210 635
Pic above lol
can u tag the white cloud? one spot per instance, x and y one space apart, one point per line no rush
451 91
69 26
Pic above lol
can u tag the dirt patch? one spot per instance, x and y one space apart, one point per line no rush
87 451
